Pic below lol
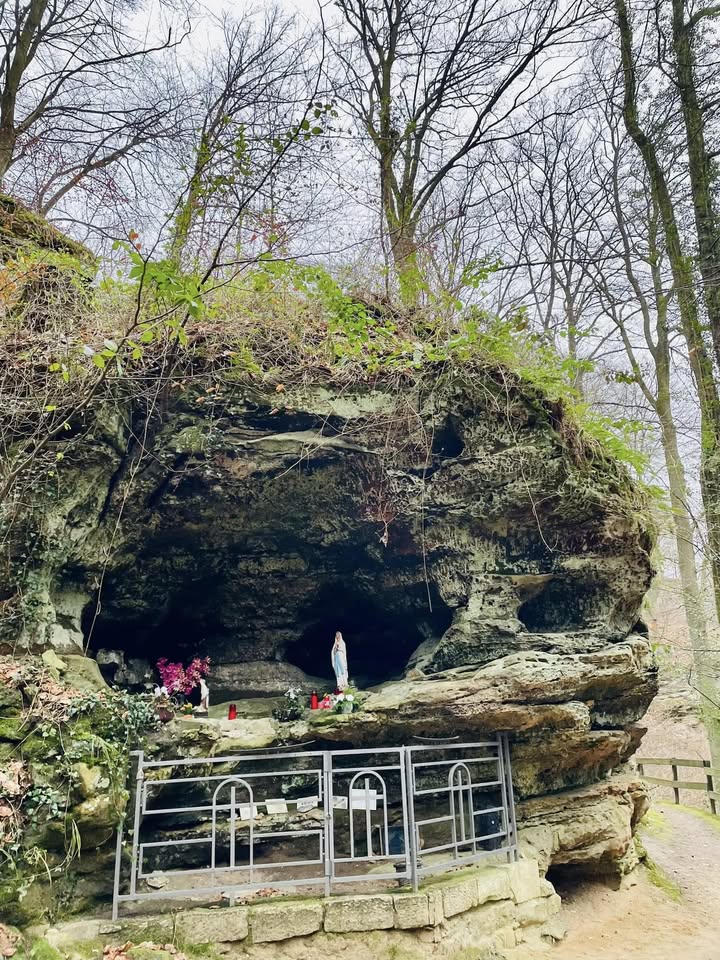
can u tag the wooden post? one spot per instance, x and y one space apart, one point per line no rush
675 777
710 787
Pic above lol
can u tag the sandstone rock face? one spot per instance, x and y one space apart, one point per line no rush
485 565
209 926
352 915
590 826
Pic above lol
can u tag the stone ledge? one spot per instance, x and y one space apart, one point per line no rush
74 931
413 910
500 895
460 897
494 884
538 911
524 879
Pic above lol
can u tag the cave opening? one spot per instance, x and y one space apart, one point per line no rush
381 633
263 634
561 605
447 443
128 648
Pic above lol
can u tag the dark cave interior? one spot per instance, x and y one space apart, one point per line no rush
381 635
383 624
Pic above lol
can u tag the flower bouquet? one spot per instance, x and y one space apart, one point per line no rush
176 683
177 679
347 701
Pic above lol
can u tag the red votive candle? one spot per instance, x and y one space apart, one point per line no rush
314 700
232 712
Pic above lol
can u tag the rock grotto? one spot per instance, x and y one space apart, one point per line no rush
486 572
485 561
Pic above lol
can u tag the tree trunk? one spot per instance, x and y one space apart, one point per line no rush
572 341
7 148
401 229
403 249
20 52
185 218
705 661
700 164
707 228
684 283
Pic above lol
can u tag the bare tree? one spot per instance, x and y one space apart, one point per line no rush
432 84
547 213
76 95
683 281
642 311
250 88
583 238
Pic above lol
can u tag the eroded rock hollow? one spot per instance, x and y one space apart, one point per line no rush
485 564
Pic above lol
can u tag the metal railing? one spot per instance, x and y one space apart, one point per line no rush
235 824
676 784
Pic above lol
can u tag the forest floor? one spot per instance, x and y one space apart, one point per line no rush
667 911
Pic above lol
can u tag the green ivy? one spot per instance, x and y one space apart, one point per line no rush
45 802
536 361
351 327
95 728
117 717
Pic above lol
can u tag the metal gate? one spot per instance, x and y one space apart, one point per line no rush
235 824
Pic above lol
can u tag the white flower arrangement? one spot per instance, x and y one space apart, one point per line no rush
347 701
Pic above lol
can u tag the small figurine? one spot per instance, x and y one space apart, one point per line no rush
204 698
339 661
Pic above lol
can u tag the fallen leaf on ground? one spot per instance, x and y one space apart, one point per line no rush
8 942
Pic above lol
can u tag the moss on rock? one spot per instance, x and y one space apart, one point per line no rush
67 788
21 229
42 950
11 701
14 729
83 673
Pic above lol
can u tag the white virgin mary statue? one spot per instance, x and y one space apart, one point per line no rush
339 661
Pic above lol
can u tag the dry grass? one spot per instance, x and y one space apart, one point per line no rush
67 348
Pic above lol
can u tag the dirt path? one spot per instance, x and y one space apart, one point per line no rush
676 917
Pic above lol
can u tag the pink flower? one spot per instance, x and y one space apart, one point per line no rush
177 679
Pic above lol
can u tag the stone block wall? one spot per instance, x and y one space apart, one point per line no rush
492 908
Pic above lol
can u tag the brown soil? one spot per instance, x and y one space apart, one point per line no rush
678 919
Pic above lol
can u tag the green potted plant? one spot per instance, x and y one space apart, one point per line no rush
347 701
292 707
